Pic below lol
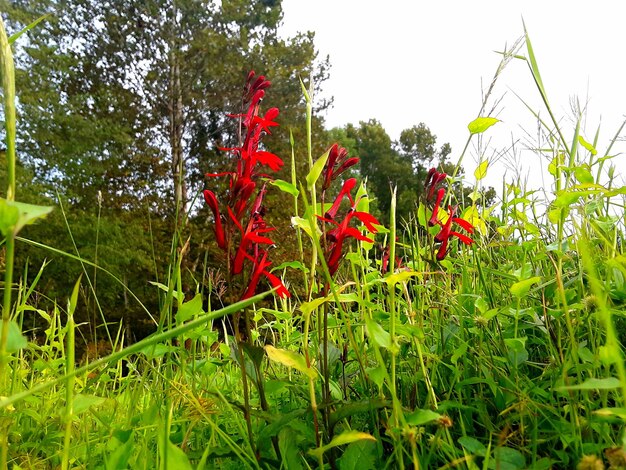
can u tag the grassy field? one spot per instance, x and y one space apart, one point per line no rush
488 338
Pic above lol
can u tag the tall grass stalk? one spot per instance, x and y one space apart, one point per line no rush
8 87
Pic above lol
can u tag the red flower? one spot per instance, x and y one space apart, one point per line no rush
432 180
347 187
434 219
211 201
337 163
446 232
260 269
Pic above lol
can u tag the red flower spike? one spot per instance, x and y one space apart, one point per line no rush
432 181
347 187
337 163
434 220
211 201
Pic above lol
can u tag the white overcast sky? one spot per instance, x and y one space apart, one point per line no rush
404 62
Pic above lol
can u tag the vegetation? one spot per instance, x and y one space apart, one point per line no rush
436 330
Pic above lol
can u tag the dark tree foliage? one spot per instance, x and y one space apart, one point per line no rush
122 108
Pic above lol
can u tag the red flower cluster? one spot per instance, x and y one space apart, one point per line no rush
335 238
245 213
433 179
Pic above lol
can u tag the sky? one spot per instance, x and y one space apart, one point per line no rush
404 62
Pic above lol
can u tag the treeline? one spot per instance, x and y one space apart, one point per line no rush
122 110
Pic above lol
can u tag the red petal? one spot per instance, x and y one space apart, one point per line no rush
465 224
269 159
465 239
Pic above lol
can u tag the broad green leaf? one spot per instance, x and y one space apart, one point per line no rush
481 170
609 383
521 288
285 187
587 145
291 264
189 309
290 359
15 340
363 204
583 175
516 349
421 215
316 171
176 458
377 374
289 451
304 224
401 276
421 417
609 412
506 458
15 215
346 437
307 307
122 445
83 402
377 333
360 455
9 215
481 124
473 446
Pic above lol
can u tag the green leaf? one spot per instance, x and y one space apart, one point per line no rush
516 350
122 449
15 36
285 187
289 452
189 309
290 359
305 225
15 215
377 333
473 446
15 340
360 455
316 171
609 383
308 307
583 175
164 288
83 402
401 276
481 124
421 417
587 145
521 288
377 374
506 458
345 437
481 170
291 264
176 458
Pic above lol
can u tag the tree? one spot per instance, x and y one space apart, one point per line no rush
123 108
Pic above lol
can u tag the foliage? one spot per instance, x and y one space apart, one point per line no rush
506 351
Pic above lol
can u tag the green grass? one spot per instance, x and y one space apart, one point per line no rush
506 355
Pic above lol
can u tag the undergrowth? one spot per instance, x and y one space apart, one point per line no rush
501 350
